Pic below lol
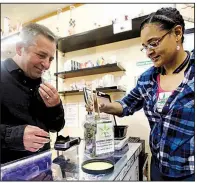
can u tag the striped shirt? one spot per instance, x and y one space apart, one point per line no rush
172 130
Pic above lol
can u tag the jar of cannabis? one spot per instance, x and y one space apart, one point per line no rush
99 137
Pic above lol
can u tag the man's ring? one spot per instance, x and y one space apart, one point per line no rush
47 97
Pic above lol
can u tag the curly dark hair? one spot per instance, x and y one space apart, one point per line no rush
166 18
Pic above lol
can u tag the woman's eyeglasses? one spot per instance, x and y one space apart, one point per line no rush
152 45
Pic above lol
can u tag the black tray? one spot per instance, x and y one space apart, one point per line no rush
95 172
64 146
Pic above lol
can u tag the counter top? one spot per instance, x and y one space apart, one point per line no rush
66 165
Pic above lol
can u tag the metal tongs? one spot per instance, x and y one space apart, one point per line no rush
91 96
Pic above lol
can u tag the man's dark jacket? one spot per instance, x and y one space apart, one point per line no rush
21 105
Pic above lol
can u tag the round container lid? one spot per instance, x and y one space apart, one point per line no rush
97 166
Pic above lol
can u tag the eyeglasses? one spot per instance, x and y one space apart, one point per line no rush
152 45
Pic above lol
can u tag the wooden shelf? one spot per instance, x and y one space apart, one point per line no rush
111 89
91 71
9 36
189 31
105 90
100 36
70 93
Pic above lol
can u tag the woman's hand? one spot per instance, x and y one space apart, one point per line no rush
94 105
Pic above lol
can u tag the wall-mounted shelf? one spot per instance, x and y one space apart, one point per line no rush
9 36
91 71
97 37
100 36
189 31
105 90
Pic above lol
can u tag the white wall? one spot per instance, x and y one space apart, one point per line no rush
88 14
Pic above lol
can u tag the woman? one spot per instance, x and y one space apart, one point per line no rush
166 93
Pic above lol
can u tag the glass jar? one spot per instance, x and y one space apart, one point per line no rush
99 137
90 135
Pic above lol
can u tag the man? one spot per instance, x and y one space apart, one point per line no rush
29 108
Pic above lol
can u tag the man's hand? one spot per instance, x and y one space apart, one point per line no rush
34 138
49 95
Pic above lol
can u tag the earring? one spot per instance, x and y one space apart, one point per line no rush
178 47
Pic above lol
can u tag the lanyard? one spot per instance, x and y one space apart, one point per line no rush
180 67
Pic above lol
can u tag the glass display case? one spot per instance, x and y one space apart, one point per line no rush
53 165
28 168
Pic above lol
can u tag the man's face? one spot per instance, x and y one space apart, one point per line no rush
36 58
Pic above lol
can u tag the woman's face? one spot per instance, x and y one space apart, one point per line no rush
163 42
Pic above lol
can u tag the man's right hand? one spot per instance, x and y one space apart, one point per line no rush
34 138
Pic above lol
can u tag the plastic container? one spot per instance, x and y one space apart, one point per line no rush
90 135
99 137
95 166
120 131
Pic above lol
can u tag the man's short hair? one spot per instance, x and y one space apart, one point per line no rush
32 30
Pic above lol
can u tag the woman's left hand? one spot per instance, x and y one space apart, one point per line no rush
49 94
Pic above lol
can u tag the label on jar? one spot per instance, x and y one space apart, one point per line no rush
104 138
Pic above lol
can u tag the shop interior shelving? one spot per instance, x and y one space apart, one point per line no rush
91 71
105 90
99 36
3 38
92 38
